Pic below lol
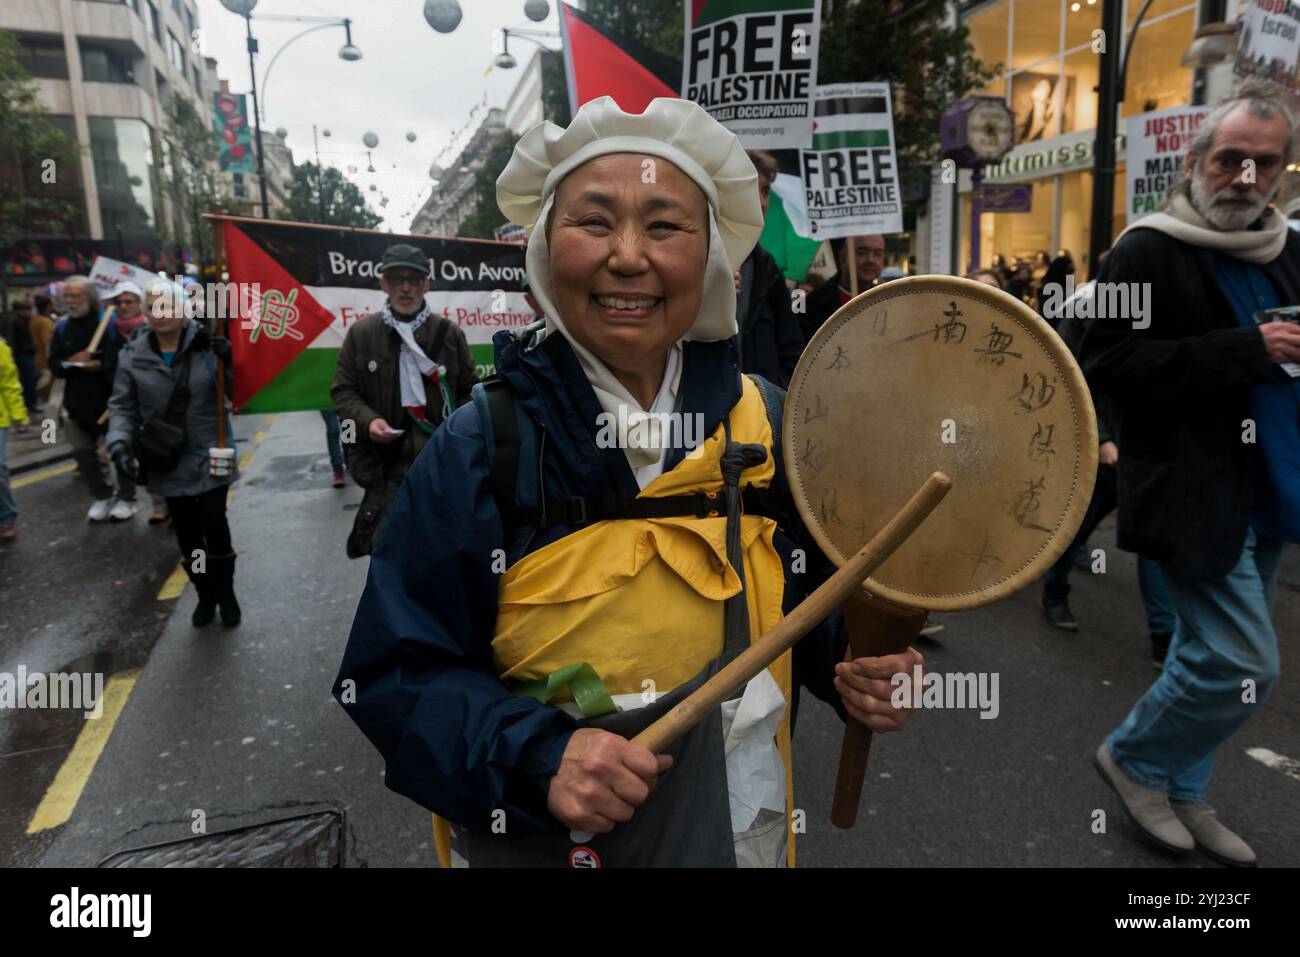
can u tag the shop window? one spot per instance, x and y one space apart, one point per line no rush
1039 97
1035 32
1082 73
1158 9
1081 18
104 65
43 58
988 33
1155 79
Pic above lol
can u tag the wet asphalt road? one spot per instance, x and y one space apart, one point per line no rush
241 725
74 597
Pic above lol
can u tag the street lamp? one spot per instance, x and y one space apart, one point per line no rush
349 52
244 8
505 60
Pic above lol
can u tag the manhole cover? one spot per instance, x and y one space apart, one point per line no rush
311 840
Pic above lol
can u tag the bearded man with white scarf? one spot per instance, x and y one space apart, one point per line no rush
1209 468
400 373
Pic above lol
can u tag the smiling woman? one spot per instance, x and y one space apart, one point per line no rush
559 570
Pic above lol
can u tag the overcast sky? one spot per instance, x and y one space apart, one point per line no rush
410 79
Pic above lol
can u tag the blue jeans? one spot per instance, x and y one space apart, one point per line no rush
1224 637
332 437
8 507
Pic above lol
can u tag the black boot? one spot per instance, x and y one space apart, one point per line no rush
222 568
206 609
1057 610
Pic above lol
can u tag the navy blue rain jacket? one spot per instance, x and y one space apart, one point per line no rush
418 661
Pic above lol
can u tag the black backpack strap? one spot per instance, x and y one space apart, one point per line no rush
505 446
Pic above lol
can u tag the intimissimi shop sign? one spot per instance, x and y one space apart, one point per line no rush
1061 154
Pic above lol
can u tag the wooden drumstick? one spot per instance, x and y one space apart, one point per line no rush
876 627
799 622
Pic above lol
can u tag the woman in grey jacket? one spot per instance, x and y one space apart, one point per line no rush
147 373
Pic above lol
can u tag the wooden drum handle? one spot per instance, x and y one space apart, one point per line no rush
799 622
876 627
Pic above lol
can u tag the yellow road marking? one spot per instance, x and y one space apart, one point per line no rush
244 460
64 792
259 436
63 468
174 585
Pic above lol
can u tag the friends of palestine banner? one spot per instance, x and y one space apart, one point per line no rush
314 284
752 64
850 174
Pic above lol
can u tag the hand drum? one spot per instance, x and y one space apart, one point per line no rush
936 373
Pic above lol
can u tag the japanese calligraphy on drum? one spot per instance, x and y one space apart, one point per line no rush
935 372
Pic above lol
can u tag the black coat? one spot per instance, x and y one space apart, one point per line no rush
1182 390
770 339
820 306
85 396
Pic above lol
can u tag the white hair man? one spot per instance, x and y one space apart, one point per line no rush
1209 455
89 384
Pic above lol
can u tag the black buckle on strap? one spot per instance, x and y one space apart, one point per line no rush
573 510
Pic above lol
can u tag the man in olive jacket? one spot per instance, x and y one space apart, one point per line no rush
400 373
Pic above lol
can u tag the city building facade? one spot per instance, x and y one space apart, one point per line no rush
456 191
1048 74
105 70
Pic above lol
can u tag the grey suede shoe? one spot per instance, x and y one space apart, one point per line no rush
1147 808
1211 836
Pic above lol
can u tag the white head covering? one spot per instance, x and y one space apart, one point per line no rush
125 285
679 131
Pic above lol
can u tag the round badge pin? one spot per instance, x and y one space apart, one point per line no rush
372 365
584 857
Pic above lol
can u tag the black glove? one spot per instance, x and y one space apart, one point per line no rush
220 346
124 463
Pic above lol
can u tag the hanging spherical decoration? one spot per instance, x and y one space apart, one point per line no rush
537 10
371 140
443 15
372 187
281 132
325 133
410 137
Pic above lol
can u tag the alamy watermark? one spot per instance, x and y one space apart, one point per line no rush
77 691
216 300
936 690
1099 300
649 430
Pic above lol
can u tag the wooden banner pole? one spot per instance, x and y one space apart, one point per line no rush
219 255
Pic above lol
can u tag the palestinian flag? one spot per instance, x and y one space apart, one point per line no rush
599 62
302 286
785 231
